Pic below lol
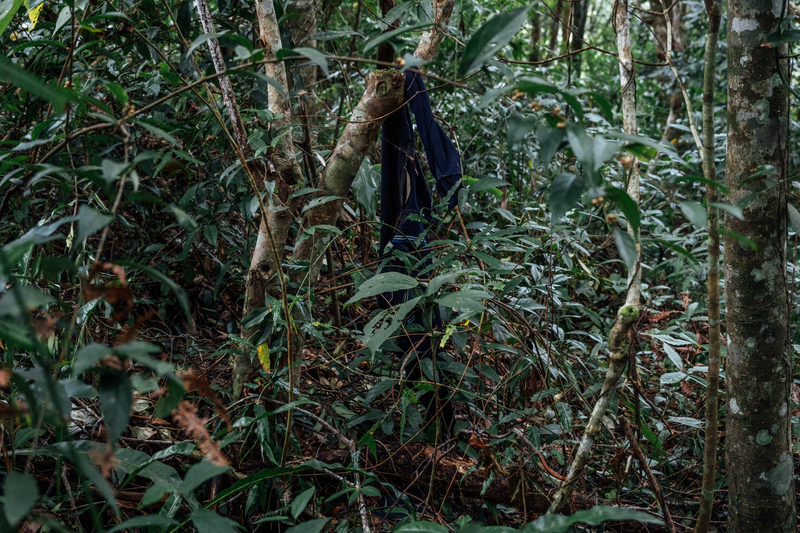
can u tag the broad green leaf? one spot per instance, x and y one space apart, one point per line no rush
534 85
673 356
90 221
200 473
686 421
366 186
23 79
8 8
385 323
487 184
142 521
116 401
157 275
312 526
378 389
490 38
313 55
202 39
384 282
320 201
696 214
555 523
550 140
733 210
157 131
471 299
332 35
19 299
20 493
671 378
87 356
794 218
582 146
627 249
626 205
394 33
301 501
519 127
421 527
210 522
565 191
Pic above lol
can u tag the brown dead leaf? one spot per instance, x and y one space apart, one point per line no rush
5 378
114 292
130 332
192 381
186 417
105 461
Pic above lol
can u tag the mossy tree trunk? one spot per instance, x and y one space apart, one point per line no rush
759 363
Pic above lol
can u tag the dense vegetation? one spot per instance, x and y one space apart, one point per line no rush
128 225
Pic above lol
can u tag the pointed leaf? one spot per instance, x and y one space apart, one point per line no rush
385 282
20 492
564 192
90 221
627 249
491 38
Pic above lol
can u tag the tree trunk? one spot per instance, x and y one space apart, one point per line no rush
555 24
759 362
579 11
536 35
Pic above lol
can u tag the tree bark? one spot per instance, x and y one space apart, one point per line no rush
759 362
536 35
285 173
579 12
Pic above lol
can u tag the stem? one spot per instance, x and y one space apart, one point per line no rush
712 389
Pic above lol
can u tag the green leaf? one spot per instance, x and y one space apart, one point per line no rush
320 201
385 323
366 186
626 205
315 56
155 130
23 79
534 85
487 184
301 501
550 140
202 39
519 127
312 526
200 473
565 191
144 520
554 523
627 249
421 527
90 221
490 38
116 401
210 522
394 33
471 299
157 275
269 80
696 214
794 218
20 492
8 8
733 210
378 389
384 282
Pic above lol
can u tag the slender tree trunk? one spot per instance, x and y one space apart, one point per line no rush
536 35
579 12
628 314
555 25
265 264
709 169
759 363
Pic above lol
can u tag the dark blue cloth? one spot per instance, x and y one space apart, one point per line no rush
404 190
